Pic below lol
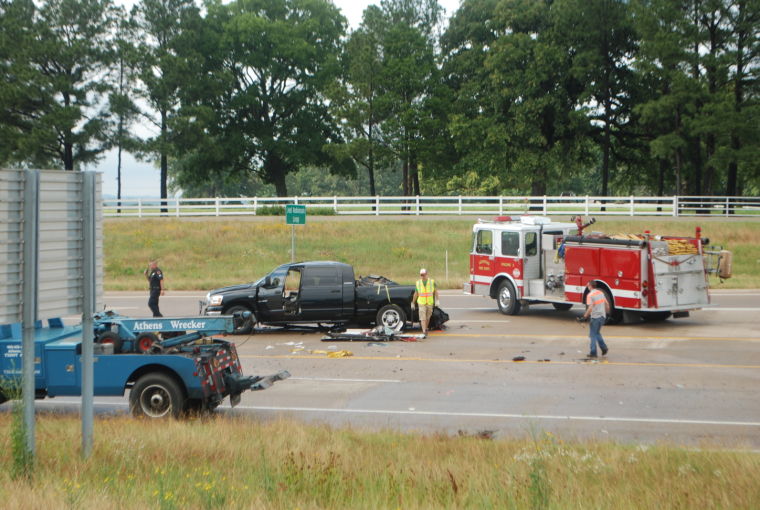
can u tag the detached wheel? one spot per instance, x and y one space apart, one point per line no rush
145 341
507 299
109 337
157 395
243 326
392 317
562 307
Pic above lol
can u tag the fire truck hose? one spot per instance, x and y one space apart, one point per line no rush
673 262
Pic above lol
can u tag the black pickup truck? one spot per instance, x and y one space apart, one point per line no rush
313 292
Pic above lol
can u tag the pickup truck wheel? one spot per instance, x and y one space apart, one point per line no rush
562 307
109 337
145 341
242 326
391 316
157 395
507 299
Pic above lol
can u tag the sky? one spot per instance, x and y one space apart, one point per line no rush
142 179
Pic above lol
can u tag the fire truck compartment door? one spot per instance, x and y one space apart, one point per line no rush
532 257
666 286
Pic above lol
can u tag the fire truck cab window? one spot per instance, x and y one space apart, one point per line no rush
531 244
510 244
484 242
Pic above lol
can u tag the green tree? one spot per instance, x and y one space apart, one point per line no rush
358 102
62 55
262 109
123 108
20 100
161 71
601 40
410 76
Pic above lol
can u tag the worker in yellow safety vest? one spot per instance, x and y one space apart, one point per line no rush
425 297
597 308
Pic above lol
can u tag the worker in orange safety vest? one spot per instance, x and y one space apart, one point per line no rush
425 297
597 308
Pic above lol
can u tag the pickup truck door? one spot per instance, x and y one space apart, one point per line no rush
321 297
269 303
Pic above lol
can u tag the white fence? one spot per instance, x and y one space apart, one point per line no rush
673 206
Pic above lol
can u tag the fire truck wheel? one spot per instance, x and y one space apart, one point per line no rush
615 316
391 316
109 337
562 307
145 341
655 316
157 395
507 299
242 326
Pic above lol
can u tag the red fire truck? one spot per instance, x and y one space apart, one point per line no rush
532 259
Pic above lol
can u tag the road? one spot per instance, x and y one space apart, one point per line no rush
691 381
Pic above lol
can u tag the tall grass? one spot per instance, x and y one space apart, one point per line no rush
208 253
222 462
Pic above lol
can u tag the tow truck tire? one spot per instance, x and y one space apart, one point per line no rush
507 299
391 316
109 337
242 326
562 307
145 341
157 395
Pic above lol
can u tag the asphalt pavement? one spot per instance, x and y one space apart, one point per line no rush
690 381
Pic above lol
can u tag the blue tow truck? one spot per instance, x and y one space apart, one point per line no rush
190 372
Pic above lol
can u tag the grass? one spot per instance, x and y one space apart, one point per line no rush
223 462
199 254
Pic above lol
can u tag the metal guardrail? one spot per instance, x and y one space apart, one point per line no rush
673 206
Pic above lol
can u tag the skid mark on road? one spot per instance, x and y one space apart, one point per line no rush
601 362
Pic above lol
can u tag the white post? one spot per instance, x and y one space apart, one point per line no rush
139 207
460 205
544 204
292 243
675 206
586 204
176 202
501 205
216 205
418 205
631 209
377 205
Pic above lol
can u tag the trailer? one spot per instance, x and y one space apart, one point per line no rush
532 259
185 375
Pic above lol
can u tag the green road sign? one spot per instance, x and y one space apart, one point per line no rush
295 214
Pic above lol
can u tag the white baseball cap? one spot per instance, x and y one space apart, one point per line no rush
423 271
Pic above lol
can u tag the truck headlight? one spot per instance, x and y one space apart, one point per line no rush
215 300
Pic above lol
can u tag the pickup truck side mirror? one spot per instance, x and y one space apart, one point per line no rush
267 283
